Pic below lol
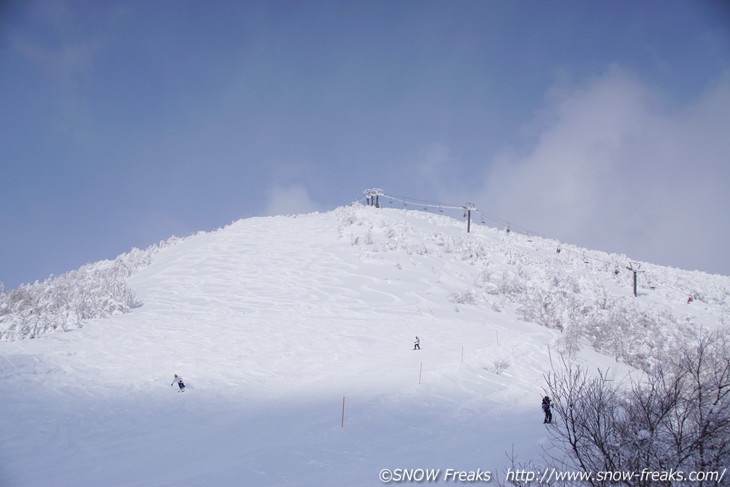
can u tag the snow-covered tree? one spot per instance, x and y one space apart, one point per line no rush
62 303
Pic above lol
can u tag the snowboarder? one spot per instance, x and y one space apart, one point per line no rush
417 344
179 382
546 409
689 299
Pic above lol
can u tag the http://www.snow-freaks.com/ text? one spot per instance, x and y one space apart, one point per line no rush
544 476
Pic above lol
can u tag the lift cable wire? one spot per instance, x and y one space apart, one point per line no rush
426 204
509 226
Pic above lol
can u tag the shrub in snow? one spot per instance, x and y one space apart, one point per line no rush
463 297
500 365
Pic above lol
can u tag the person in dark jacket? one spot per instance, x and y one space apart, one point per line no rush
546 410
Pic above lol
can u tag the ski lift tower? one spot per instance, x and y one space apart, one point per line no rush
634 267
372 196
468 207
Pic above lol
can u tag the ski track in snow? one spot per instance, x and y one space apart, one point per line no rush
272 321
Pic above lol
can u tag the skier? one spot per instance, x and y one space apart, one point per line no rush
417 344
179 381
546 410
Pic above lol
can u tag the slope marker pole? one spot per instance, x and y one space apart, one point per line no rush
343 412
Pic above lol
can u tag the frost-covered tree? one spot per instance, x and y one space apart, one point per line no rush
62 303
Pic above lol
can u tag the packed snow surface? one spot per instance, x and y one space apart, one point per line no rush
280 324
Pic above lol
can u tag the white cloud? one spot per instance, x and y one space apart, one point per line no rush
433 165
289 200
614 166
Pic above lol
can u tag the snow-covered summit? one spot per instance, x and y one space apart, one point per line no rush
280 324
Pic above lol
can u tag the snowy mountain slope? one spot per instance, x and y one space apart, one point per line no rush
272 321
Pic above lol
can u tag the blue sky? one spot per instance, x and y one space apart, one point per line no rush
604 124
